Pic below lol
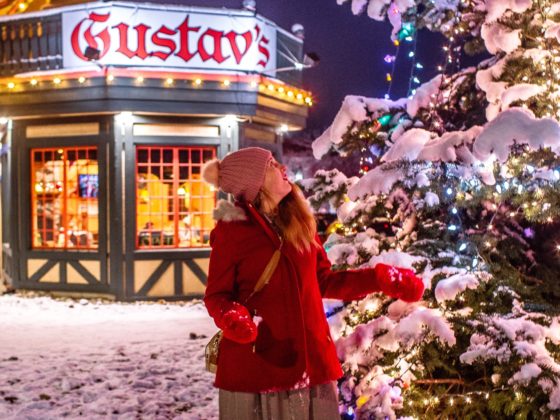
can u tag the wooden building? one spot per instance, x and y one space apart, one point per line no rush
108 112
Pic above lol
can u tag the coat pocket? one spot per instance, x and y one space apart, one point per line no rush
280 353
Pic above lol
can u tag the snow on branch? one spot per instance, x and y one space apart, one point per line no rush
408 146
516 126
449 288
380 180
495 9
354 109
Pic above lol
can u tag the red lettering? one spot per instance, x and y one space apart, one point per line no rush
163 42
141 30
103 36
208 43
184 30
217 41
261 44
232 38
264 51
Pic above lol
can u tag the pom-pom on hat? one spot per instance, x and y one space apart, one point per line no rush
240 173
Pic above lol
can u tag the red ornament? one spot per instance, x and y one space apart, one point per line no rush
376 125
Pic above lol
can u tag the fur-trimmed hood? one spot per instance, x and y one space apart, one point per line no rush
226 211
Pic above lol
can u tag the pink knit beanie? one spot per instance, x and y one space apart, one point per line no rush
240 173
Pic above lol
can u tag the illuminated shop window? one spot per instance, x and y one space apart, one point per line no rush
173 205
64 191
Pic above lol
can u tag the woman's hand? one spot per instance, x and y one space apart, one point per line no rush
399 283
238 325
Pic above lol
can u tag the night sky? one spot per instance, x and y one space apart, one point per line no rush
351 49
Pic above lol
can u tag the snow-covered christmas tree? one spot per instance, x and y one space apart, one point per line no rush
465 176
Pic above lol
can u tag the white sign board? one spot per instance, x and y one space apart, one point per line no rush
191 39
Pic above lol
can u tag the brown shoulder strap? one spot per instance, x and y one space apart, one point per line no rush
267 272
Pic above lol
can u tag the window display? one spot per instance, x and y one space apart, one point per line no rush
173 205
64 205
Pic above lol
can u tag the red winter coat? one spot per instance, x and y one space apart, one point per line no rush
294 347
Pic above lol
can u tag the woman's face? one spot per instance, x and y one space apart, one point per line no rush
276 181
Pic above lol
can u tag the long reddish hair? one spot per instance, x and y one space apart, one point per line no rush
293 217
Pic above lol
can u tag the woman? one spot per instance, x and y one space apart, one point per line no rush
277 359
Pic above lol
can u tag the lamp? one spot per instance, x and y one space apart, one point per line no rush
298 30
310 59
250 5
92 54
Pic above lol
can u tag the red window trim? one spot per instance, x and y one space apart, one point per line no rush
64 214
175 164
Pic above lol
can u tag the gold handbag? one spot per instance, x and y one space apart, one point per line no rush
213 346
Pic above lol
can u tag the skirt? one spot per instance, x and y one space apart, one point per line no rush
316 403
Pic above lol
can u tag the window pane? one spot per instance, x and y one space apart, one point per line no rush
155 155
174 208
184 156
64 205
167 155
142 156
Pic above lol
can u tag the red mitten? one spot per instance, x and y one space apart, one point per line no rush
238 325
399 283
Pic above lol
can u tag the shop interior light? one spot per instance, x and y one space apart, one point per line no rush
281 89
254 84
283 128
271 87
307 100
197 82
110 78
11 85
226 82
290 94
57 80
22 6
299 96
81 79
140 79
33 82
4 120
169 81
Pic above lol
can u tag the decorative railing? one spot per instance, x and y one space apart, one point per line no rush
30 45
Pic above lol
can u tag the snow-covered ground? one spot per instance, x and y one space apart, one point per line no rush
93 359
